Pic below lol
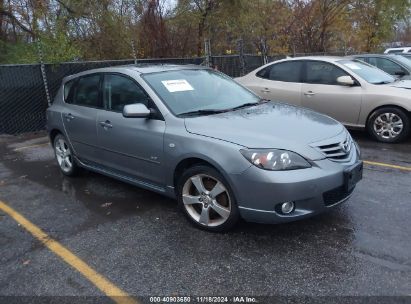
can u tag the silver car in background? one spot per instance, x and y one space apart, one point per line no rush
353 92
196 135
396 65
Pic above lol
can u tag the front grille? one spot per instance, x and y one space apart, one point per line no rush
338 151
336 195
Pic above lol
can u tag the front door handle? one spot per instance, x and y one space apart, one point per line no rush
265 90
106 124
68 116
309 93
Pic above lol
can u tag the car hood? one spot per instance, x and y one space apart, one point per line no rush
268 125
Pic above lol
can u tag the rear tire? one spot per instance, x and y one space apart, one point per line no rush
389 125
206 199
64 156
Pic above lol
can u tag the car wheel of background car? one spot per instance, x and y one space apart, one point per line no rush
64 156
207 200
389 125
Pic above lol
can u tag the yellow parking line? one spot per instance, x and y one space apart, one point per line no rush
32 146
108 288
386 165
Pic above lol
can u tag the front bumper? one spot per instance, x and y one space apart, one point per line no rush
313 190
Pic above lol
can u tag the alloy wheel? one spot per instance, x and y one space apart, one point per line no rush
206 200
63 155
388 125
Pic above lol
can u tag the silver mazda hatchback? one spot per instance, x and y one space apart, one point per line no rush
196 135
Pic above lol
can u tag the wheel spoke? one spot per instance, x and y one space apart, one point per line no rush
59 152
387 117
68 162
223 212
379 121
205 216
190 200
61 144
198 183
218 189
63 164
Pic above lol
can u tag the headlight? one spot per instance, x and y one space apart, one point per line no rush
275 160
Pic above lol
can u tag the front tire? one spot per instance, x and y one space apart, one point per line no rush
389 125
206 199
64 156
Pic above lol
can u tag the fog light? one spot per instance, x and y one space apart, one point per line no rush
287 207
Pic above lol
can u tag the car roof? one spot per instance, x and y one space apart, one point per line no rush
139 68
372 55
398 57
399 48
321 58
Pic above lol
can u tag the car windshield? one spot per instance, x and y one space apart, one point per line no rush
202 90
368 72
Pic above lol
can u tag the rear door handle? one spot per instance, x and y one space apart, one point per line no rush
309 93
106 124
68 116
265 90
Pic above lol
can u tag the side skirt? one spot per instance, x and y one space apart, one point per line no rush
124 178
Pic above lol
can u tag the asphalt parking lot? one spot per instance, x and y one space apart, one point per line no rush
138 241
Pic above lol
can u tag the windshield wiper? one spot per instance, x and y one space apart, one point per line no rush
216 111
203 112
383 82
249 104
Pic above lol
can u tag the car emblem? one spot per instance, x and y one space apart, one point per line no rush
345 146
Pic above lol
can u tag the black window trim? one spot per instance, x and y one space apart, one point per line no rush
76 80
152 105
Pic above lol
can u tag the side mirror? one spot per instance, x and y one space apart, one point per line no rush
346 80
136 110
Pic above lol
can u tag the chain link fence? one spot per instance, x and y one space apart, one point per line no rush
23 96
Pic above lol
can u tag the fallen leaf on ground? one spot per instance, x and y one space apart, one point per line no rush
105 205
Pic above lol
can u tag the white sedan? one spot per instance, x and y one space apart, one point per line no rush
353 92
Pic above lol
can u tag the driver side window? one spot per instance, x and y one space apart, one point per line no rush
120 91
319 72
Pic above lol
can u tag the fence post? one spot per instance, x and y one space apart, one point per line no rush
240 44
133 48
207 52
264 51
43 71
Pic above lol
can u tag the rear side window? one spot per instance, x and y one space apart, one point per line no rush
283 71
319 72
120 91
86 92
